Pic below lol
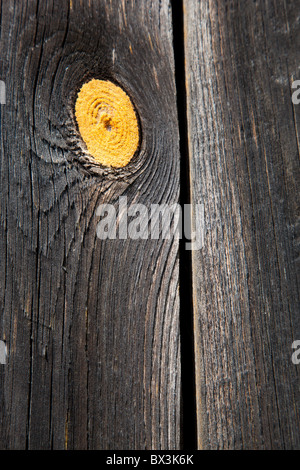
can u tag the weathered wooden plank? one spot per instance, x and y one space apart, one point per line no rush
91 326
241 58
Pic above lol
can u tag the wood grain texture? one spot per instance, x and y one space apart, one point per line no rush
241 57
91 326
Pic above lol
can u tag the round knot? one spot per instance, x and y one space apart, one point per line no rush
107 123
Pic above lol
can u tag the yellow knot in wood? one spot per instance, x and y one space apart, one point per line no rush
107 123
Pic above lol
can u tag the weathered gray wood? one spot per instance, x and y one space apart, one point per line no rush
241 57
91 326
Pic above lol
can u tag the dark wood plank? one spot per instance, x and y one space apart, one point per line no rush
91 326
241 58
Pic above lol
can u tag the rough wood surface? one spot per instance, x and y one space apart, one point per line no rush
91 326
241 57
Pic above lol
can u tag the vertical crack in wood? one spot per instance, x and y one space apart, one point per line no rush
188 416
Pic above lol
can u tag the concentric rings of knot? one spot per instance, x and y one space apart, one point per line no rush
107 123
